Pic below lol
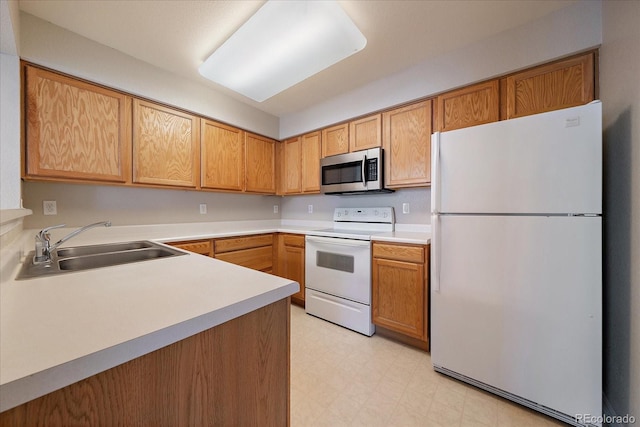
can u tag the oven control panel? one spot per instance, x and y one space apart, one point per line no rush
381 215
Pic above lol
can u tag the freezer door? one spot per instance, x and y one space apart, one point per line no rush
519 306
545 163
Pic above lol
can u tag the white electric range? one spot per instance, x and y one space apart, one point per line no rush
338 267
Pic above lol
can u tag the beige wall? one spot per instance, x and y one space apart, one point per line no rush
80 204
620 94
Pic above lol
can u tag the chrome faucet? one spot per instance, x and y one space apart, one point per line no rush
44 248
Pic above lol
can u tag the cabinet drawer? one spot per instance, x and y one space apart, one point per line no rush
255 258
399 252
202 247
237 243
296 240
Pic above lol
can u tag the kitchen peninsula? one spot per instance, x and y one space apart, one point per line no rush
177 341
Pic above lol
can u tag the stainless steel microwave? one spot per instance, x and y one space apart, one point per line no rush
353 173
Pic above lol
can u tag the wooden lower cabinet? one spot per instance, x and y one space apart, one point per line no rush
400 297
202 247
290 265
255 252
235 374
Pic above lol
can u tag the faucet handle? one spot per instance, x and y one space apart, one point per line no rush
44 233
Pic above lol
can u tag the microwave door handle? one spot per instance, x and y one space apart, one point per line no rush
364 175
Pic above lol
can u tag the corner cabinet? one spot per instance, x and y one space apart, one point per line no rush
290 264
406 140
75 130
166 146
400 291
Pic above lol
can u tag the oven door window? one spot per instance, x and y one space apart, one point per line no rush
335 261
343 173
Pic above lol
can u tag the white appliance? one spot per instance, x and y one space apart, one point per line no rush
338 267
516 260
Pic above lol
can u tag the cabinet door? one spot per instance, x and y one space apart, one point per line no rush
407 145
335 140
291 262
365 133
311 148
398 297
260 164
222 158
76 130
292 172
563 84
166 149
470 106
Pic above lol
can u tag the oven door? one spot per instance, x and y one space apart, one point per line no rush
339 267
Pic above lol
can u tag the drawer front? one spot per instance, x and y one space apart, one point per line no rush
255 258
296 240
202 247
409 253
237 243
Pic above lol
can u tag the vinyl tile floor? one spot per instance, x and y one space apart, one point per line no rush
342 378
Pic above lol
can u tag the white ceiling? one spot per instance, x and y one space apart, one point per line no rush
178 35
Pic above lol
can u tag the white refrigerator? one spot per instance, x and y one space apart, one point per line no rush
516 260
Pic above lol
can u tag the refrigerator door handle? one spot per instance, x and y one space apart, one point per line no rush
435 172
435 253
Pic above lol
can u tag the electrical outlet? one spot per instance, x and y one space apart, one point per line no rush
49 207
405 208
275 208
203 208
310 208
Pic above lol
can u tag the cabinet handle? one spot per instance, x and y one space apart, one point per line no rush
435 253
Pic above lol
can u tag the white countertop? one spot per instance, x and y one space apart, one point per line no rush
57 330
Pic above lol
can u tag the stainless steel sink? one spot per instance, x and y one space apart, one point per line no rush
79 258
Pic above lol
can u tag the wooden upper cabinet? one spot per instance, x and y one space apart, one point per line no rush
562 84
75 130
472 105
311 149
222 156
335 140
292 166
166 149
407 145
365 133
260 164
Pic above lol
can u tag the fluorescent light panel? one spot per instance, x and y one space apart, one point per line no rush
283 43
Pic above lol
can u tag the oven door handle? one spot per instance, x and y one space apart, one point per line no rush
338 241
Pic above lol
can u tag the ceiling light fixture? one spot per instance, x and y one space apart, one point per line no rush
282 44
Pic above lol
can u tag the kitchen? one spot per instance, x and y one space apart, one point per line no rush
595 23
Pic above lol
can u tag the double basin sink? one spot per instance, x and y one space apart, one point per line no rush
79 258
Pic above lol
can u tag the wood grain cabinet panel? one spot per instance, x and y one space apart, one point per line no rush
562 84
335 140
222 157
166 146
407 145
311 150
365 133
255 252
292 166
290 262
470 106
400 290
201 247
260 164
75 130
